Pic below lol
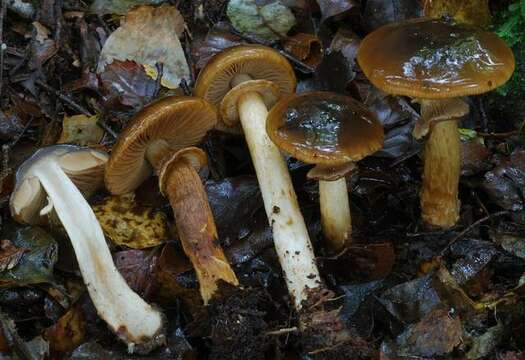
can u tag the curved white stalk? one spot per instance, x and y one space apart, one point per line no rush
335 212
290 235
126 313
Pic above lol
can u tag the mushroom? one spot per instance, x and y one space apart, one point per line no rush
243 82
332 131
161 136
436 62
54 173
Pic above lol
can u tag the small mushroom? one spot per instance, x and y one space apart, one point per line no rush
59 173
161 137
332 131
436 62
244 82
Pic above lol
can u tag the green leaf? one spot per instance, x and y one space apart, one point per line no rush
267 22
36 265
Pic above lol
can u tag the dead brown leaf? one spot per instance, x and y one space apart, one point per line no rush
305 47
336 10
218 38
10 255
68 333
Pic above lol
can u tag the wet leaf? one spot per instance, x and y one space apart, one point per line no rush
475 255
10 125
332 74
36 265
136 266
473 12
437 333
150 36
218 38
81 130
512 243
336 10
381 12
305 47
127 223
356 294
505 184
120 7
269 21
474 156
68 333
10 255
128 82
483 345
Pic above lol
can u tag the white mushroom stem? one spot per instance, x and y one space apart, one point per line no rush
290 235
130 317
335 212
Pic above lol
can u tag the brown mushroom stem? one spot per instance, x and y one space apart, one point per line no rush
439 193
335 212
126 313
196 228
290 235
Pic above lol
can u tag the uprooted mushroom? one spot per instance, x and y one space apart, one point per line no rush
161 136
58 175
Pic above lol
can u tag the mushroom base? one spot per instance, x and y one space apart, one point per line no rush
196 228
439 194
335 213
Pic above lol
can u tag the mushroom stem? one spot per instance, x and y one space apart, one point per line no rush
439 194
290 235
335 212
126 313
196 228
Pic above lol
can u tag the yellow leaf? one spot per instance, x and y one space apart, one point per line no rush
129 224
81 129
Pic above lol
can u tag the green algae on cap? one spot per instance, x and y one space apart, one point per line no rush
324 128
433 59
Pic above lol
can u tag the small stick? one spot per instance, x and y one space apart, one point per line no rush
3 46
472 226
282 331
102 123
66 99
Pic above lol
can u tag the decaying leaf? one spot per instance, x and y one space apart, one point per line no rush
68 333
36 265
305 47
150 36
270 21
81 130
217 39
10 255
129 224
473 12
127 81
336 10
119 7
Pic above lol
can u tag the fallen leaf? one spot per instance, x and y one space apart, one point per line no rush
127 223
119 7
436 334
36 266
380 12
336 10
474 156
136 267
218 38
305 47
483 345
270 21
69 331
128 82
473 256
332 74
10 255
81 130
472 12
150 36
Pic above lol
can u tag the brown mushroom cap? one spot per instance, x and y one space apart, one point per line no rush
324 128
434 59
177 122
84 166
257 61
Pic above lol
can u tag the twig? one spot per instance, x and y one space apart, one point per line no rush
3 46
102 123
66 99
282 331
498 135
158 80
185 88
470 227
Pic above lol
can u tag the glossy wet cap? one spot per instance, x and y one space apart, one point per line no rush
257 61
324 128
180 121
84 166
435 59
